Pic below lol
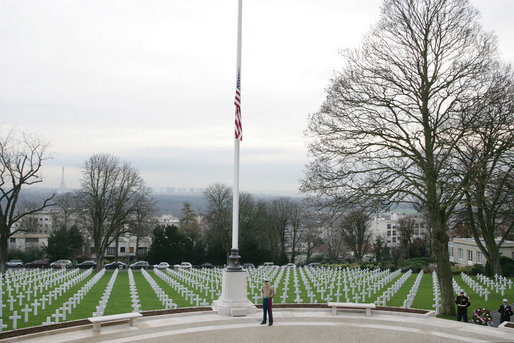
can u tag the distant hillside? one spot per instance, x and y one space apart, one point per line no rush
166 203
172 204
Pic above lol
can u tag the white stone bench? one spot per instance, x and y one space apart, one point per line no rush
130 317
336 305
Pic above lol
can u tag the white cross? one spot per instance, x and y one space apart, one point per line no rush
284 297
48 321
35 304
20 299
43 301
11 301
26 311
2 325
67 307
356 298
14 319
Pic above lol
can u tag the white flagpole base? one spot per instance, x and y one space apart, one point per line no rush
234 295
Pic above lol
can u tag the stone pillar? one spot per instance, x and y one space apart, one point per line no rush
234 296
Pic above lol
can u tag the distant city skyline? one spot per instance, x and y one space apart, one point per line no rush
154 84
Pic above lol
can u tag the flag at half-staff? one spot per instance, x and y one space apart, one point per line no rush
237 102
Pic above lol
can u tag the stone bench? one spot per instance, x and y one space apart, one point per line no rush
130 317
336 305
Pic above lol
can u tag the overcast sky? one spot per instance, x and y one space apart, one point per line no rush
153 81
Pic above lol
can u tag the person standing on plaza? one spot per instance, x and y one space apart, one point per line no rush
463 303
267 295
505 311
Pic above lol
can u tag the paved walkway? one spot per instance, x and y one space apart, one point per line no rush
291 325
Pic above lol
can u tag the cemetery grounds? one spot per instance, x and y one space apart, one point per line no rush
33 297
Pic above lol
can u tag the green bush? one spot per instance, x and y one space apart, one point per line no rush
457 270
477 269
507 265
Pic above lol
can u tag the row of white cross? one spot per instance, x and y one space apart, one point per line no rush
477 288
100 309
133 291
200 287
166 301
436 292
74 300
407 303
33 301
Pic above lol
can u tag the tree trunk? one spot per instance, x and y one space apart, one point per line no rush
4 244
117 248
99 260
137 247
444 272
494 258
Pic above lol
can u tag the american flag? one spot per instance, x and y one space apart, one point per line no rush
237 102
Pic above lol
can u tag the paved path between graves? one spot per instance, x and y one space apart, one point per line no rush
291 325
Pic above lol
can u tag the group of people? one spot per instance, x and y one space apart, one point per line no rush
463 303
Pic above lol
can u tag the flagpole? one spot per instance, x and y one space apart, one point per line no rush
234 254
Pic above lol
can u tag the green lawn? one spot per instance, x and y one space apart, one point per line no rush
120 301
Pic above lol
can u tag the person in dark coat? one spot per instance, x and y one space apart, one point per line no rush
463 303
267 296
505 311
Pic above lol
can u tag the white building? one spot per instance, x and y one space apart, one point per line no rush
168 219
465 251
387 226
38 227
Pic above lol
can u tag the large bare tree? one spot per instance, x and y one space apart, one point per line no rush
395 115
296 219
406 229
218 219
356 233
21 158
279 213
488 157
110 193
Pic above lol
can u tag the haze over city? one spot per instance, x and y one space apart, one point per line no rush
153 82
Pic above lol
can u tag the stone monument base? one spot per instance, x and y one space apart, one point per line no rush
234 295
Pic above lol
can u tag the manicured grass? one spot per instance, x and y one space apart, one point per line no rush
120 301
424 296
49 309
147 297
401 295
88 305
172 293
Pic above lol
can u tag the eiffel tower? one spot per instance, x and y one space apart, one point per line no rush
62 186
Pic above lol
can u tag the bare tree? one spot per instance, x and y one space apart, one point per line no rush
188 219
394 117
355 229
334 243
296 226
488 158
279 215
406 229
29 224
379 248
312 232
21 158
142 220
67 207
218 218
109 195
